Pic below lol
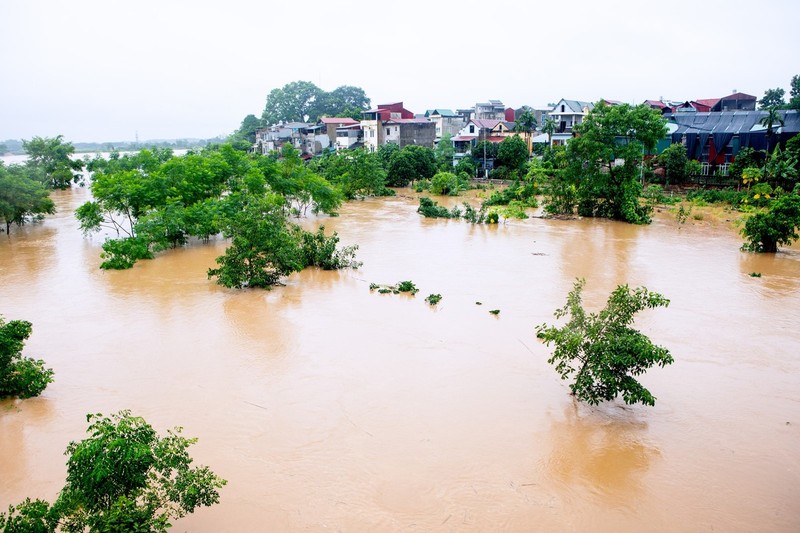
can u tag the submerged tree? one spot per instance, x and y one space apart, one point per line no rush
602 349
20 377
122 477
263 248
778 226
21 198
603 163
50 159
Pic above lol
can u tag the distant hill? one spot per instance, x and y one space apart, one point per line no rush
14 146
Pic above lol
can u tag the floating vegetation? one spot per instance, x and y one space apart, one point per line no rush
755 274
402 286
495 312
434 299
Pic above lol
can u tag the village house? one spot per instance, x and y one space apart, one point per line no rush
447 122
477 130
372 122
715 137
274 137
349 137
334 123
567 114
393 123
491 110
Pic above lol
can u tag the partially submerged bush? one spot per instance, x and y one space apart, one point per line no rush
433 299
20 377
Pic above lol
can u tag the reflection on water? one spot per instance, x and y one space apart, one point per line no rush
330 407
605 455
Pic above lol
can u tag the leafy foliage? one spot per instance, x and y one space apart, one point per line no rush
512 153
320 251
430 209
21 198
772 98
262 250
50 158
674 161
21 377
299 101
447 183
123 477
602 165
433 299
602 349
409 164
119 254
778 226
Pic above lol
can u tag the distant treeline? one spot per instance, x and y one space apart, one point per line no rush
14 146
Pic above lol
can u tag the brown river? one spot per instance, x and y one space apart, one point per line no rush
331 408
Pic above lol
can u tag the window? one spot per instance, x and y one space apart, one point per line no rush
472 128
388 130
562 108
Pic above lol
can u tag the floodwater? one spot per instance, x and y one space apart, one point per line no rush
331 408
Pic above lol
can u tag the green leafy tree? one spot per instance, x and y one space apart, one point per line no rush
794 93
603 163
3 148
772 119
247 130
320 251
526 124
549 127
301 187
20 377
674 161
21 198
294 102
50 157
746 158
263 246
447 183
772 98
122 477
781 168
602 350
778 226
512 153
344 101
411 163
358 173
444 153
385 153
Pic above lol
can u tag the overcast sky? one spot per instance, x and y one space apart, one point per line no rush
105 70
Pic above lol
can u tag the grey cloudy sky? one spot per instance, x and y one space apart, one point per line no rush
105 70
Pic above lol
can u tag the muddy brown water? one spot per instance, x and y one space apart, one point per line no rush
331 408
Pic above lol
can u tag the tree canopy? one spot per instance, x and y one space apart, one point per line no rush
777 226
21 198
49 158
772 98
602 350
20 377
301 101
152 201
122 477
602 166
411 163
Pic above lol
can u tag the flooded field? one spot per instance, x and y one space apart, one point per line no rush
328 407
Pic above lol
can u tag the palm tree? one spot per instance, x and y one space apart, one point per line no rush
769 120
526 123
549 128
